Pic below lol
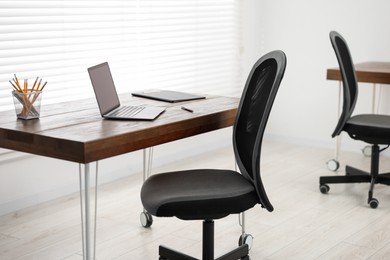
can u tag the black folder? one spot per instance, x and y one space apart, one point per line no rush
167 95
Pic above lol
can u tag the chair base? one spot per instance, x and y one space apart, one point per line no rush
170 254
208 248
354 175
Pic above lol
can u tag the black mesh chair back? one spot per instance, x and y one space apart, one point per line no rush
255 106
348 75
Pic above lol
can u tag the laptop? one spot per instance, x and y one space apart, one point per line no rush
108 101
167 95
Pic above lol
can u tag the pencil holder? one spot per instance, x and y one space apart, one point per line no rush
27 104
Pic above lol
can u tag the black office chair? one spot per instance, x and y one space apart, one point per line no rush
209 194
373 129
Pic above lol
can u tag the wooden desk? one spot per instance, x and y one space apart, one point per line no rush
75 131
370 72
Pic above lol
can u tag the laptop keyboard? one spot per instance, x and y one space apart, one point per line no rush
127 111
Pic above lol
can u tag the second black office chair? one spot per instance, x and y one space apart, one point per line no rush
373 129
209 194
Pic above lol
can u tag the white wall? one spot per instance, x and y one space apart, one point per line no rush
304 110
306 106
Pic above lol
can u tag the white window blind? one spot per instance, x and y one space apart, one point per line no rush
188 45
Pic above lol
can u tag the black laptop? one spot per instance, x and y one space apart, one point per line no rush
108 101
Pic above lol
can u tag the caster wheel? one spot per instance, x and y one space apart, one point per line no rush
324 188
246 239
146 219
333 165
373 203
367 151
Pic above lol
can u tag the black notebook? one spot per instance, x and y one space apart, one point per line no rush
167 95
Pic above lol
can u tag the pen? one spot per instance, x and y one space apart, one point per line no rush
187 109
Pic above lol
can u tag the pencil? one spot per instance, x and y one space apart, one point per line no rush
16 88
34 84
43 86
16 80
39 83
17 84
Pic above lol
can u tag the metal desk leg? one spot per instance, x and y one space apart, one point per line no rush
334 164
374 110
148 158
87 218
338 141
244 238
376 98
145 217
373 98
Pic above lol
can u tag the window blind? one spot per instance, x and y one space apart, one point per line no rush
190 45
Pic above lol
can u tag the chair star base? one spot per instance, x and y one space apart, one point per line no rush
354 175
208 248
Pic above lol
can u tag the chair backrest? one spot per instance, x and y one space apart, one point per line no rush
252 116
348 75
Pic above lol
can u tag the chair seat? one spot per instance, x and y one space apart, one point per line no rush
371 128
198 194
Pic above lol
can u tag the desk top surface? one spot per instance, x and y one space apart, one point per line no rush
370 72
75 131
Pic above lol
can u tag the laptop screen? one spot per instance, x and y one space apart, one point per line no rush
104 87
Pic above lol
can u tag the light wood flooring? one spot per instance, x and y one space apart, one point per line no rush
304 225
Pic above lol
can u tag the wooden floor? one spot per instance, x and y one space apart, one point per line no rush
304 225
